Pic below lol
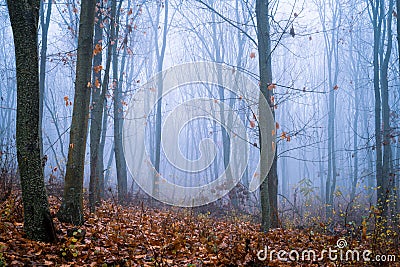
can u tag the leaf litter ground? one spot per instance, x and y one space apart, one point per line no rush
145 236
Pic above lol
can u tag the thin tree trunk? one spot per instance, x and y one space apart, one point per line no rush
54 117
96 114
398 149
387 178
71 209
268 189
103 99
108 169
43 52
160 60
331 52
118 117
355 153
377 25
100 163
397 185
398 30
355 64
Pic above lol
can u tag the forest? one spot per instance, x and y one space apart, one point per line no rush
199 133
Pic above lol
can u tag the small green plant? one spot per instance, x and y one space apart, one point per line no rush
68 250
2 260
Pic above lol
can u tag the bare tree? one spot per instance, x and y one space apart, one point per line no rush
160 53
118 117
38 224
44 23
381 63
385 189
268 189
96 115
71 209
332 57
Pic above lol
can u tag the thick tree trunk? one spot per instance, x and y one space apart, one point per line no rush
268 189
71 209
38 224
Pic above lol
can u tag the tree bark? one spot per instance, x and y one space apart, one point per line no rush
332 57
398 149
377 25
71 209
355 66
160 60
96 117
104 85
268 189
387 178
38 224
43 52
118 120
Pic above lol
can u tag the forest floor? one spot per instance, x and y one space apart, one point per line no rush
146 236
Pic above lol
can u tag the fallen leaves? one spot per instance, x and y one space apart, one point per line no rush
144 236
